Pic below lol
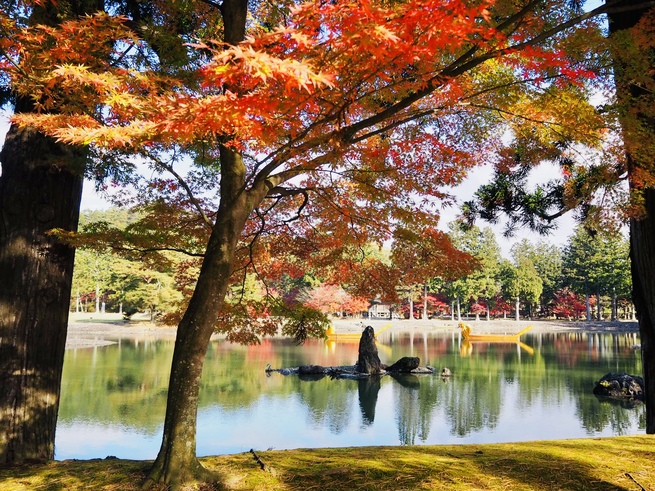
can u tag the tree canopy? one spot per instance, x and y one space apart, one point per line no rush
299 132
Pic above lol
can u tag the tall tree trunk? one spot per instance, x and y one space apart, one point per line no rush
176 462
40 189
599 310
642 230
642 245
518 309
588 305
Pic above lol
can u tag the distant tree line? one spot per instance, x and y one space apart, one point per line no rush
588 278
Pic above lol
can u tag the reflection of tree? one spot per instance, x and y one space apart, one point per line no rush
591 355
408 409
473 403
430 397
368 398
113 385
596 415
330 401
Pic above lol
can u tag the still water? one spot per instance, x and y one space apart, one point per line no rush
114 397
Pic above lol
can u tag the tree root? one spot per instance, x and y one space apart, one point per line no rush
164 478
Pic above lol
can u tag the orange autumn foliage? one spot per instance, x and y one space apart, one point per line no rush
359 114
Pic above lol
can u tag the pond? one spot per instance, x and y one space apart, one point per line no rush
114 397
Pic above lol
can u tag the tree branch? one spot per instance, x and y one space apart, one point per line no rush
185 186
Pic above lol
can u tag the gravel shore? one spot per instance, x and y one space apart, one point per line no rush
89 334
109 329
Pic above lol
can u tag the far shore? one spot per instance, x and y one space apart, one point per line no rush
93 330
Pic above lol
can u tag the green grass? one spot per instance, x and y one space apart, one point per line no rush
598 464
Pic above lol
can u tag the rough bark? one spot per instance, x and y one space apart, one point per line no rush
176 463
642 230
40 189
642 245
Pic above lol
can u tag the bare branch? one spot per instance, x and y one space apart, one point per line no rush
185 186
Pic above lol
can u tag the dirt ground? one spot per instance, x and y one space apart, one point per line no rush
88 330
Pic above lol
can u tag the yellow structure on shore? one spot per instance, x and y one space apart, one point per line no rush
500 338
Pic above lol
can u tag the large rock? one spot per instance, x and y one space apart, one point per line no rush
405 364
368 360
620 386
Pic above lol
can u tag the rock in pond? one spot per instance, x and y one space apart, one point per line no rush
405 364
620 386
368 360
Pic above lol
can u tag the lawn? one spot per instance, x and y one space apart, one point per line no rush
616 463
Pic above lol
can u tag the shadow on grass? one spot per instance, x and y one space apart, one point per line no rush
618 463
590 465
110 475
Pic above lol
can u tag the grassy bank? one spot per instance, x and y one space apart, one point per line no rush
618 463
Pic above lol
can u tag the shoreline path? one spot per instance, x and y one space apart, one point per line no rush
92 331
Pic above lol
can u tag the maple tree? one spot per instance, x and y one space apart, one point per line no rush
332 299
500 306
478 308
343 126
568 304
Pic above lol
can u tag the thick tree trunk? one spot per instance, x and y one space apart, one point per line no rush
642 245
642 231
40 189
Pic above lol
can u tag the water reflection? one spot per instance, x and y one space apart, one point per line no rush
113 398
368 398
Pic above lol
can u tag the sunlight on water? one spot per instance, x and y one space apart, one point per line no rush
113 398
